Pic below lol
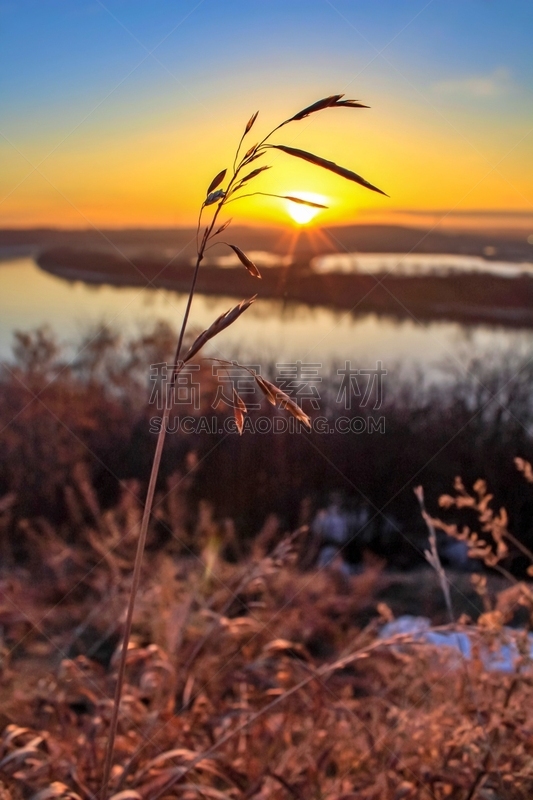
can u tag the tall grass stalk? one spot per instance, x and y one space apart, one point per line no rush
218 198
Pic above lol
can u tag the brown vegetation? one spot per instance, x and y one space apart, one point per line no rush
252 680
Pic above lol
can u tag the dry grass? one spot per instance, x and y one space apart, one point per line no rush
248 680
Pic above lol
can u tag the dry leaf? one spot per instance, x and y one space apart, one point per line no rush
266 388
329 165
326 102
275 395
250 122
333 101
217 180
239 410
222 322
253 174
350 104
239 419
256 155
302 202
239 402
245 261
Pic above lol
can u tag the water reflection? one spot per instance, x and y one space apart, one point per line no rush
272 330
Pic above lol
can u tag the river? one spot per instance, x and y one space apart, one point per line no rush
269 331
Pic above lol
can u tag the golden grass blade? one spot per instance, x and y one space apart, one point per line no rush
239 402
302 202
294 409
267 389
239 410
350 104
222 322
245 261
280 197
253 174
256 155
250 123
239 419
217 180
329 165
326 102
333 101
275 395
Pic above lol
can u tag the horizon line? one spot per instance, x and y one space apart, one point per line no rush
521 214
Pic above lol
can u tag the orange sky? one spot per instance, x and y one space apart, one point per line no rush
137 144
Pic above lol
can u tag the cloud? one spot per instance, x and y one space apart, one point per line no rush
496 83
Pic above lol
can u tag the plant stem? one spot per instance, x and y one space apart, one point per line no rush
154 473
200 248
136 578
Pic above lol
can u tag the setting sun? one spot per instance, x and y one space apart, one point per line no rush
302 214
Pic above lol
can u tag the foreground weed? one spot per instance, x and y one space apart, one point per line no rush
226 187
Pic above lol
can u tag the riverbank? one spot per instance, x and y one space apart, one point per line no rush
469 297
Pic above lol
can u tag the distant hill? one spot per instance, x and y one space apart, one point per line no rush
364 238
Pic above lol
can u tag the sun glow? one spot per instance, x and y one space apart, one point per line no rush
303 214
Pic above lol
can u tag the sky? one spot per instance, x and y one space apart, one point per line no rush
118 113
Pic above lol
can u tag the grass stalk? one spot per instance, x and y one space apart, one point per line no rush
216 198
141 544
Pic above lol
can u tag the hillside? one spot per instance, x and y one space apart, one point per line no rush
365 238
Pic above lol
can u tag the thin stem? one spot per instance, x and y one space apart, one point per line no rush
258 145
518 544
267 137
198 226
147 512
145 523
237 152
253 194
